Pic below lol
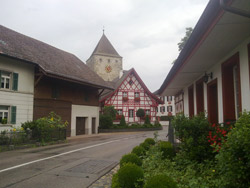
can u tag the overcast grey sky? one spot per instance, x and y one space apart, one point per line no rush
144 32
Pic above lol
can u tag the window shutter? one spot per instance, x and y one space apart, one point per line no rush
13 115
15 82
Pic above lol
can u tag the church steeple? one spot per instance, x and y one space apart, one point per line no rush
104 47
105 60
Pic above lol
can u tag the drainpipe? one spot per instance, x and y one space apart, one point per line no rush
234 10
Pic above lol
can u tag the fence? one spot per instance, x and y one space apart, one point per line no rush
29 137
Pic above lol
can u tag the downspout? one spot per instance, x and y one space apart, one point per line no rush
234 10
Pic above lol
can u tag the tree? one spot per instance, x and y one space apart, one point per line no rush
183 41
123 122
110 111
140 113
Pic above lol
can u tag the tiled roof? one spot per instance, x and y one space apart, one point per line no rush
52 61
104 47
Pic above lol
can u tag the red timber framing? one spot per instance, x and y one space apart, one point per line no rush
231 88
132 94
199 96
191 100
212 101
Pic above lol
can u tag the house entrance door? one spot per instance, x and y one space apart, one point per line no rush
93 125
80 125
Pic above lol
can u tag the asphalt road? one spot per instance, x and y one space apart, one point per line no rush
77 163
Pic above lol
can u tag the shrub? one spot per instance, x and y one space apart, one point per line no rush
150 141
145 145
160 181
47 128
147 120
123 122
167 149
130 176
139 151
130 158
234 156
193 134
110 111
115 183
105 121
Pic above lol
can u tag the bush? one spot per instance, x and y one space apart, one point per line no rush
160 181
105 121
234 156
147 120
150 141
130 158
139 151
115 183
110 111
145 145
193 136
123 122
47 128
130 176
167 149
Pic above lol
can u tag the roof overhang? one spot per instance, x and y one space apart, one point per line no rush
215 35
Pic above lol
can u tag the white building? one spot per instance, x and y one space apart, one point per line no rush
212 72
168 108
16 92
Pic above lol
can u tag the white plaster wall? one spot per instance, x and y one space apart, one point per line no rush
84 111
24 97
216 69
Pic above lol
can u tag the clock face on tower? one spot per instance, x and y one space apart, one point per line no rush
108 68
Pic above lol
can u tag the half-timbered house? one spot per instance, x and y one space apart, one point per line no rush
131 94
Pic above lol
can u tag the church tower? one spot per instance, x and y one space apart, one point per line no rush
105 60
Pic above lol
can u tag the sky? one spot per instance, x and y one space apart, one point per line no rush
144 32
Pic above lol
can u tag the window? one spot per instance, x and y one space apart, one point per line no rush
100 59
162 109
7 114
170 109
169 98
109 60
4 114
156 109
119 112
137 94
8 79
56 92
131 82
147 112
125 94
131 113
5 80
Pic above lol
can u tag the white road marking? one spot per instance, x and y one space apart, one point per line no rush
65 153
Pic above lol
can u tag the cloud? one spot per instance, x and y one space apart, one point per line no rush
144 32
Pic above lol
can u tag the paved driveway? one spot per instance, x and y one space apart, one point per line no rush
78 163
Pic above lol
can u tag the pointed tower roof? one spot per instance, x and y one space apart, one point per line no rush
104 47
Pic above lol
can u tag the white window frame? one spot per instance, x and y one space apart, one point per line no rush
147 112
119 111
3 112
137 94
125 94
4 77
131 113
